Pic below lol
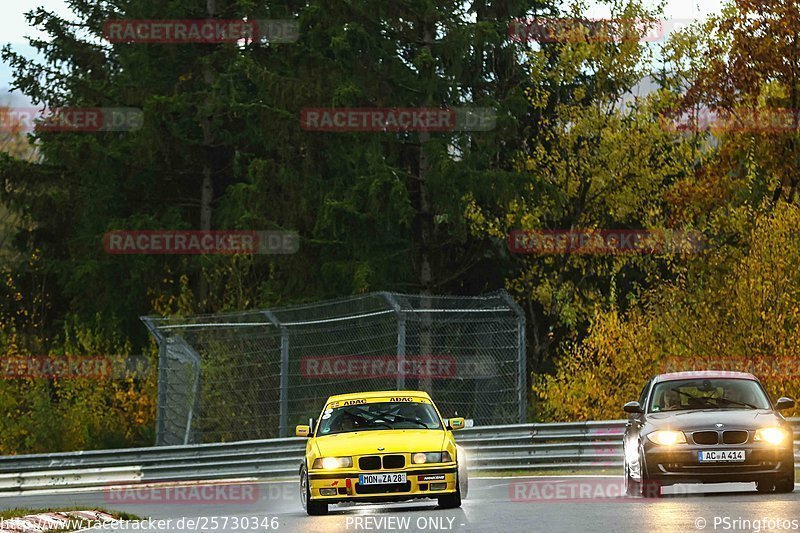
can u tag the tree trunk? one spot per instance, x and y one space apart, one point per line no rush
425 232
207 184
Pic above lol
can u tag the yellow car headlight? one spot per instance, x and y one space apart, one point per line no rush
431 457
331 463
667 437
771 435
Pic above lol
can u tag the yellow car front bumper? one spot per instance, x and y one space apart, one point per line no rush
343 485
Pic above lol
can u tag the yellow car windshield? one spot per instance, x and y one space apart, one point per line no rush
379 415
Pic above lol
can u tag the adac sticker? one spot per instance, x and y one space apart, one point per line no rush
358 401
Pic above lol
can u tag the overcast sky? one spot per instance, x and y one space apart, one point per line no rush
13 28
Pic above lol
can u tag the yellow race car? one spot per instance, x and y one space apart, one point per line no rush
381 447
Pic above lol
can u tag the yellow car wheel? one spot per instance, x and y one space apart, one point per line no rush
312 508
451 501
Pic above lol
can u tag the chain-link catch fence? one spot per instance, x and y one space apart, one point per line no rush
255 374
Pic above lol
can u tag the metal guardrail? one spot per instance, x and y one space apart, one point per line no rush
526 447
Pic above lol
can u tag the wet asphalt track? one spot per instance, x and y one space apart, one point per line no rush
494 505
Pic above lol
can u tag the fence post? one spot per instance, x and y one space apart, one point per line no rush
195 395
401 339
162 353
283 424
522 378
161 398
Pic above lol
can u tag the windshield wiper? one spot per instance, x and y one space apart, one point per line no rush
734 402
412 420
693 397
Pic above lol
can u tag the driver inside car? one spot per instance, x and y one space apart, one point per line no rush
346 422
672 400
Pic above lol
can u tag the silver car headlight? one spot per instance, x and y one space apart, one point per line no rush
667 437
772 435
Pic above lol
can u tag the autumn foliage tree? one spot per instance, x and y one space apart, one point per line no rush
742 314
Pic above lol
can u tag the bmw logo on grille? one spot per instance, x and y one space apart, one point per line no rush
381 449
719 425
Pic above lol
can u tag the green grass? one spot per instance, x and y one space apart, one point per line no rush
19 513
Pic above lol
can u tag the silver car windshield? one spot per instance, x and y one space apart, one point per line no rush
691 394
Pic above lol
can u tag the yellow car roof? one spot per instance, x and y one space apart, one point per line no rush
379 394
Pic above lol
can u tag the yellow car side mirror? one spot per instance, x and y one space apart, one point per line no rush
302 431
457 423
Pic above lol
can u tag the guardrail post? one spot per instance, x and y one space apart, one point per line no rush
283 423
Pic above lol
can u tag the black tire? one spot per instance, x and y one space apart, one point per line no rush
765 485
312 508
651 488
633 488
451 501
645 488
785 484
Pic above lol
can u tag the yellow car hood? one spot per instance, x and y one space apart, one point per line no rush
392 441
